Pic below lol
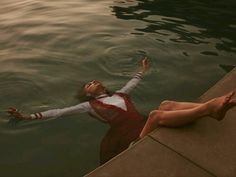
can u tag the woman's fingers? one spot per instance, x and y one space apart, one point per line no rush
144 65
11 110
14 112
145 62
144 59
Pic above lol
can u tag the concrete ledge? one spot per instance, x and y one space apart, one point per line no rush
205 148
149 159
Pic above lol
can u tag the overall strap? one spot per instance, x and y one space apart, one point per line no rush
130 106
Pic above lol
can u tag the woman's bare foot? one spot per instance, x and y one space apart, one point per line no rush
219 106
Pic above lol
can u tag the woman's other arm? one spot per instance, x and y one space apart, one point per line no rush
80 108
129 86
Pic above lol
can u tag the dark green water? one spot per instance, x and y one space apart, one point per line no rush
49 48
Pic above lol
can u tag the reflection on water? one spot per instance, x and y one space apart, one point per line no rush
194 21
49 48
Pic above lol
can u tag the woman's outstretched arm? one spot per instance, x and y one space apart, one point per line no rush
80 108
136 79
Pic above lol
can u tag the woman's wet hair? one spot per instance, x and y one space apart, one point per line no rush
82 95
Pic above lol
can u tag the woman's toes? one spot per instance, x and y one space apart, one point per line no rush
230 95
232 103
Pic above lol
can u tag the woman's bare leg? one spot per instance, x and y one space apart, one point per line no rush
174 105
216 108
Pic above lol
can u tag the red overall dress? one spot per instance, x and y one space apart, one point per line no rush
125 126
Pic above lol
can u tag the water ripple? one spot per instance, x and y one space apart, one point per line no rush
176 19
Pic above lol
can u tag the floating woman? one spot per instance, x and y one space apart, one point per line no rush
126 123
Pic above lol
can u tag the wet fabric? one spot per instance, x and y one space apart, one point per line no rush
125 126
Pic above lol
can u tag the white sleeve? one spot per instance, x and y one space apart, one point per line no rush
79 108
131 84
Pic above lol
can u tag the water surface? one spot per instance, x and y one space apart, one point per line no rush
50 48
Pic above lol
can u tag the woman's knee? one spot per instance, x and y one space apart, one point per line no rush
156 117
166 105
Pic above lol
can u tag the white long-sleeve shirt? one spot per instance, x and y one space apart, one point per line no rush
115 100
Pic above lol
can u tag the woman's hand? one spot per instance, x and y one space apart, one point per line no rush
17 114
144 65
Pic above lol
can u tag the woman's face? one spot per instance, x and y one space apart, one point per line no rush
94 88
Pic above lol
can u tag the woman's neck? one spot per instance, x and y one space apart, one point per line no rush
101 94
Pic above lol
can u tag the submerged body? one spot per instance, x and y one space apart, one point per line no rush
125 126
